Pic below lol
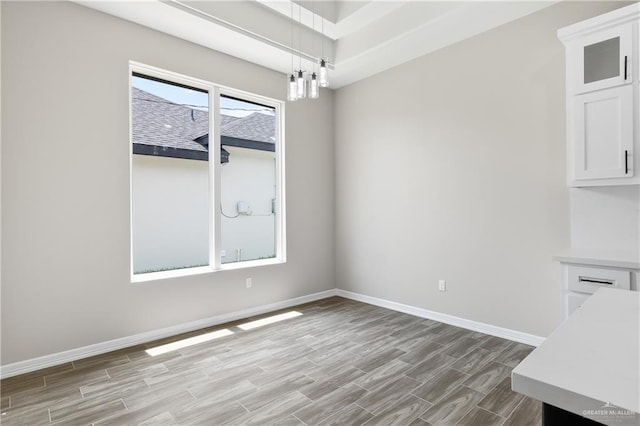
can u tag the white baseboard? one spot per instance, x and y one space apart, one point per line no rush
39 363
505 333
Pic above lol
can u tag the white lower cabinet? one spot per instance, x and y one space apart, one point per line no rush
588 279
574 301
579 281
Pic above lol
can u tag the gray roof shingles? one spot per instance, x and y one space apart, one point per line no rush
254 127
159 122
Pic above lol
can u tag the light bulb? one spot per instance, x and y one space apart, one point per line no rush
292 92
314 90
324 77
300 85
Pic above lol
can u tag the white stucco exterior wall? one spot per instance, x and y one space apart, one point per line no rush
249 176
170 213
170 209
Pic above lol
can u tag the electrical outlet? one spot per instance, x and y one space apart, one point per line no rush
248 282
442 285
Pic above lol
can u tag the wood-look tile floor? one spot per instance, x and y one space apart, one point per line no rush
339 363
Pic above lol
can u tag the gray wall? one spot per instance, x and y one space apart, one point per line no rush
65 184
449 167
452 167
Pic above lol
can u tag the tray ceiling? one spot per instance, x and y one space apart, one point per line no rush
361 38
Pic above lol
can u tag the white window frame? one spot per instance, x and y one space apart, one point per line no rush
215 91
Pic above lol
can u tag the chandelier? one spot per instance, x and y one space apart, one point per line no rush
302 83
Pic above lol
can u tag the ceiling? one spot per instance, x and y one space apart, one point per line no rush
359 38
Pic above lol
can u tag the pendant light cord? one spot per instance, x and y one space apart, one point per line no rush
313 24
300 33
322 27
291 38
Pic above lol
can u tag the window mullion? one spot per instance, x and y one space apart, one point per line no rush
280 187
214 174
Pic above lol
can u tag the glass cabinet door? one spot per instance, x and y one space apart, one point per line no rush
604 60
601 60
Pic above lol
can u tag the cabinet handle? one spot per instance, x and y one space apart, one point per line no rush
625 68
600 281
626 162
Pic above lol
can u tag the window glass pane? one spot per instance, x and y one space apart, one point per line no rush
248 180
602 60
170 175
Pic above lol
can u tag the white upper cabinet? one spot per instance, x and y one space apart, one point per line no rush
604 134
603 59
603 116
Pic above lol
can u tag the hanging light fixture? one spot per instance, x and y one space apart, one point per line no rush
300 83
324 77
292 92
301 87
314 87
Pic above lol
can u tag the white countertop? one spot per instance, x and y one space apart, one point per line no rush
609 258
591 359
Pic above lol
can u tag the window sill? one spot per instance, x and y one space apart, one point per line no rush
177 273
250 264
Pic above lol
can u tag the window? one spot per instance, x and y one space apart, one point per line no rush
206 176
247 180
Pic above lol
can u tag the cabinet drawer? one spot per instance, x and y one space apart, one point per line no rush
585 279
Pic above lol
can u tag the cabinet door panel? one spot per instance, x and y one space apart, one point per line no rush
604 134
574 301
604 60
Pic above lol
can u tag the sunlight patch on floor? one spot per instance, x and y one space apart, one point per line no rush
191 341
269 320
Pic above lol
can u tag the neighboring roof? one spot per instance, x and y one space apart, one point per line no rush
158 122
161 127
255 127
